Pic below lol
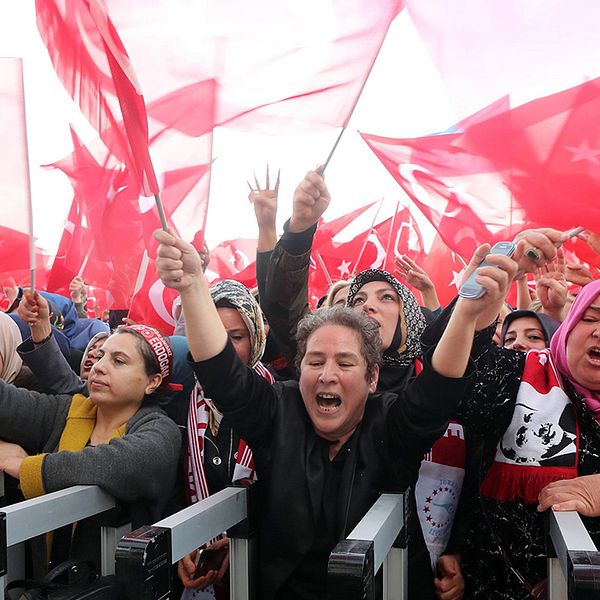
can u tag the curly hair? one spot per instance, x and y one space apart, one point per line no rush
365 328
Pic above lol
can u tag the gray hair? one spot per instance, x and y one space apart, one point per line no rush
366 328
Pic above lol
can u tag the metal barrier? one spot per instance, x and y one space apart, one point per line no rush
25 520
573 559
144 558
380 539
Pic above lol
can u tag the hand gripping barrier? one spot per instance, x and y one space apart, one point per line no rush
380 539
144 558
573 559
25 520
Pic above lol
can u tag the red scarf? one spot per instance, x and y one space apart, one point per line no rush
541 443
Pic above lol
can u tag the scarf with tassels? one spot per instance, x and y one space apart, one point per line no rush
542 441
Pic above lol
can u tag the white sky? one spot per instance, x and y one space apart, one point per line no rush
403 97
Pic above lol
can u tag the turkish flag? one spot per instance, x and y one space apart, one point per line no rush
234 259
525 50
453 189
371 249
93 65
69 259
281 67
444 268
152 303
14 181
550 156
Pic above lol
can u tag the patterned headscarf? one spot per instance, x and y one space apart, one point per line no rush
406 343
10 338
235 295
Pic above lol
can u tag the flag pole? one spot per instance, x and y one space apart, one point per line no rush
387 248
85 260
345 125
327 276
367 238
161 212
28 184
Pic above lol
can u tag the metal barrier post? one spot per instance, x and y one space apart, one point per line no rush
144 557
378 540
25 520
573 559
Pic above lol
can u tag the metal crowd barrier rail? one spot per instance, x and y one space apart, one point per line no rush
573 559
144 558
25 520
380 539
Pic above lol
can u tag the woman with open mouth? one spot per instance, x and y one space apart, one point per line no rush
537 412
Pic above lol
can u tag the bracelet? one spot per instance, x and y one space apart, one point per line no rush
42 341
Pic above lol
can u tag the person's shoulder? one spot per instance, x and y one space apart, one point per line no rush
152 417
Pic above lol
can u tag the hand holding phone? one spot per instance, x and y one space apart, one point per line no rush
210 559
473 290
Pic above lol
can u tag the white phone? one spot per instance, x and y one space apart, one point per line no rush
473 290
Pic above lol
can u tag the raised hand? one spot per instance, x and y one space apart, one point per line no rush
311 199
578 274
551 286
539 246
495 278
264 201
178 263
77 289
413 274
34 310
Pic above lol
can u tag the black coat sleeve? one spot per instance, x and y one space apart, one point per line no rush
240 393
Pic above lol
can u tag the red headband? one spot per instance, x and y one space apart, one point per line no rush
161 349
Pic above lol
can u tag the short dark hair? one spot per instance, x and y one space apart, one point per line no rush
367 330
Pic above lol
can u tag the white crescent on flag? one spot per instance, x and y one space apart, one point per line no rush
380 258
155 294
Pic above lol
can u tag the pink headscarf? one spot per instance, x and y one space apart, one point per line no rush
558 345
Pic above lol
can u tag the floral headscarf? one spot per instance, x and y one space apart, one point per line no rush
235 295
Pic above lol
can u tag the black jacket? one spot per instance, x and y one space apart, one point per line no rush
384 453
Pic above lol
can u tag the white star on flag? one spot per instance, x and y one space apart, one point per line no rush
584 152
456 278
344 268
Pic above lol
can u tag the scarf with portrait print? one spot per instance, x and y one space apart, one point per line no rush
541 443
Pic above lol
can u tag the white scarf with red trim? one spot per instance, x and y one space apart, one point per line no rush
201 412
542 441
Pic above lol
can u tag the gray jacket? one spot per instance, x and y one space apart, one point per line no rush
51 368
138 469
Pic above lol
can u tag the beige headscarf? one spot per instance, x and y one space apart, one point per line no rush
10 338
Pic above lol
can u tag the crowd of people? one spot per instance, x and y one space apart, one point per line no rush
488 413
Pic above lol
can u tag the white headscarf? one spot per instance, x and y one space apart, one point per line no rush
10 338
